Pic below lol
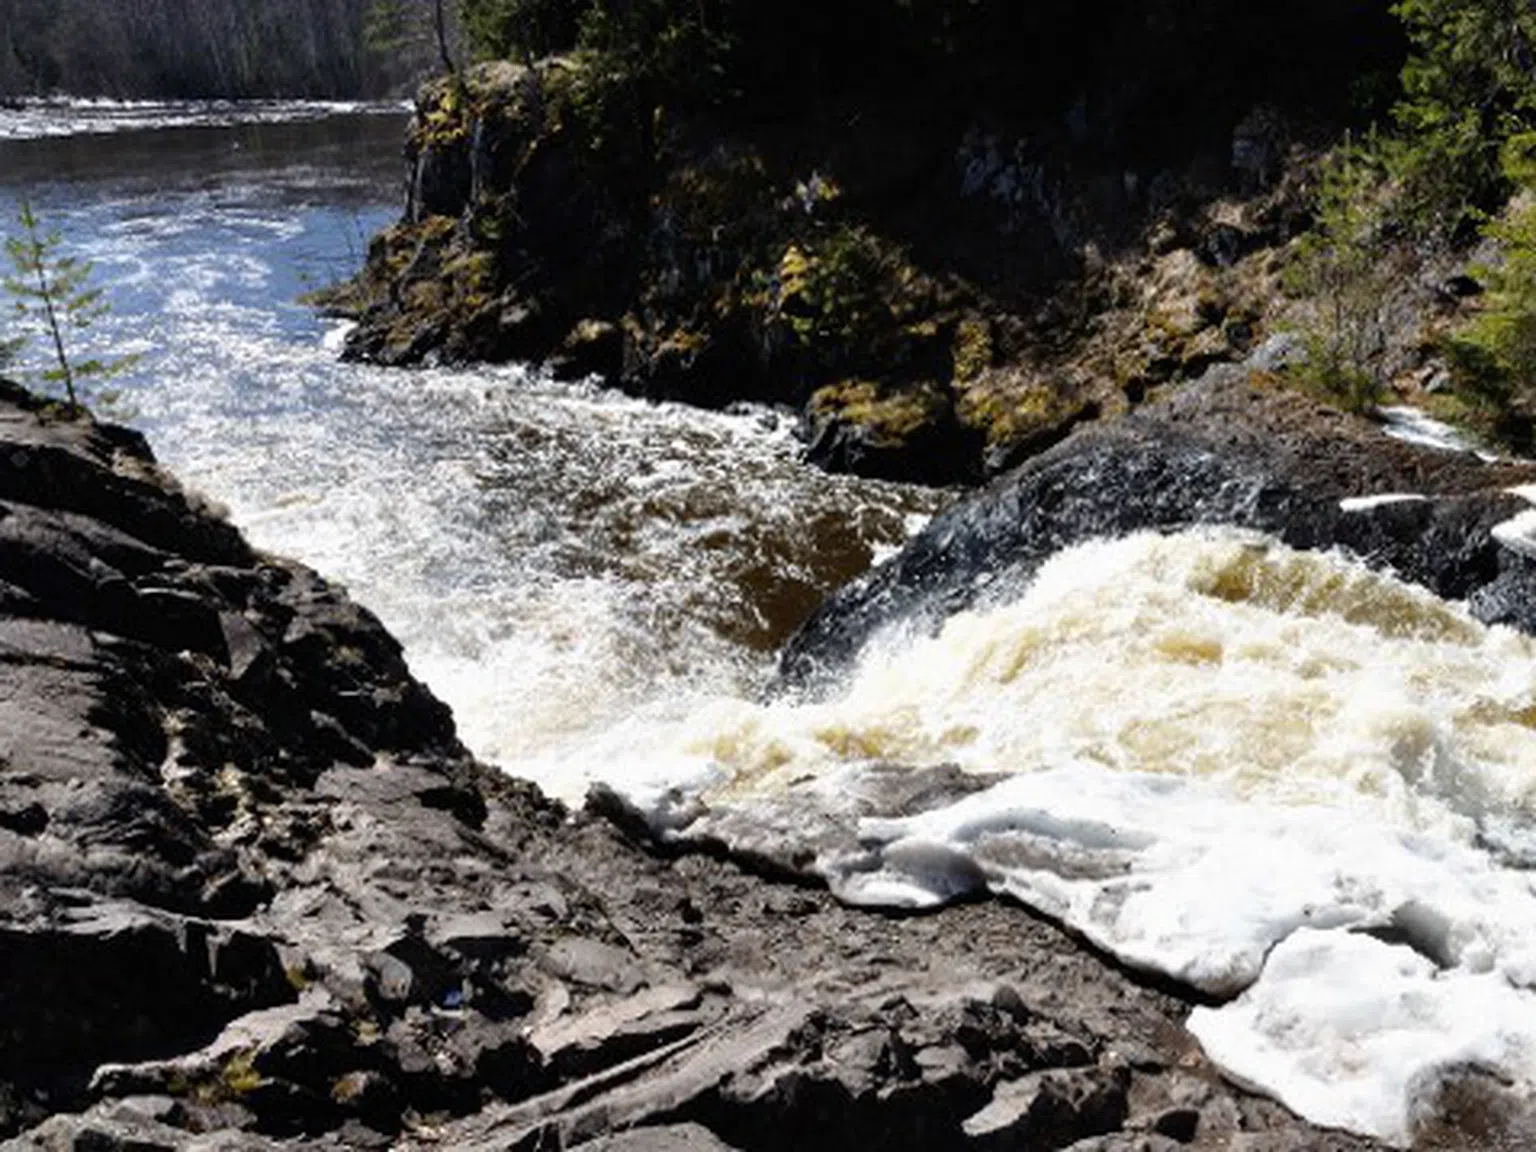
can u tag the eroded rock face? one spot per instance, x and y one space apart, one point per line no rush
1237 448
252 890
942 282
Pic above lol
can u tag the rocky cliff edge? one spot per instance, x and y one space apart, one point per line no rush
254 892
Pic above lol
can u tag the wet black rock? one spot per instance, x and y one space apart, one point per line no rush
1236 448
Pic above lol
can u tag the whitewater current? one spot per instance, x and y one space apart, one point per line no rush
1298 786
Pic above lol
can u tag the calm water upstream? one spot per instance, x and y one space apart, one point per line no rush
562 564
1293 783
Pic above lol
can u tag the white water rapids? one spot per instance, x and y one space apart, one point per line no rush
1282 779
1254 770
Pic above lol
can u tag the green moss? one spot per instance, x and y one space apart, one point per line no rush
1211 304
299 976
350 1088
682 340
972 351
444 115
238 1077
1006 414
850 291
889 416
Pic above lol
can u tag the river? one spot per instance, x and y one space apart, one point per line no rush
1296 785
561 564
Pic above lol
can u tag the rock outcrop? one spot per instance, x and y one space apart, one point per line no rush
1240 447
946 241
252 890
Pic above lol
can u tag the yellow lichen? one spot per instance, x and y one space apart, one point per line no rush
888 416
972 351
1009 411
238 1076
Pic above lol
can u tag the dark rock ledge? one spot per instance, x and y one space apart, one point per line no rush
254 892
1237 447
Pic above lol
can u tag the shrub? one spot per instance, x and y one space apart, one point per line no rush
1468 88
1344 271
1493 359
52 294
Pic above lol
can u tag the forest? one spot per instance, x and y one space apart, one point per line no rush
184 49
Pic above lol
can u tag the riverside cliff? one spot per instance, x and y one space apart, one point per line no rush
255 891
946 247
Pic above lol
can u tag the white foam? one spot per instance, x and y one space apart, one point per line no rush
1353 1033
1214 744
335 338
1414 425
51 117
1367 503
1518 533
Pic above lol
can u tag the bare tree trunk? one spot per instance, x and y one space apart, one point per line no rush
440 23
45 293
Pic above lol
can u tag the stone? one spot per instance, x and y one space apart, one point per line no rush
1231 449
591 348
578 1045
582 960
115 981
663 1138
1130 1142
1049 1110
1181 1124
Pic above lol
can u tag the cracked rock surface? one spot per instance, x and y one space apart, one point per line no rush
253 892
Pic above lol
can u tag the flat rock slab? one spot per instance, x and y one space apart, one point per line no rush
666 1138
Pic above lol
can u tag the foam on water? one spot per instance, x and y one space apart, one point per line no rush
1416 426
1369 503
1225 761
1518 533
66 116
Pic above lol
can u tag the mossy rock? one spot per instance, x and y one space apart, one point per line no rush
907 433
1017 414
972 352
887 417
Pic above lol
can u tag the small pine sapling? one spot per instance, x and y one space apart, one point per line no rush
53 295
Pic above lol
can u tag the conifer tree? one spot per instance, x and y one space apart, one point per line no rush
52 294
1344 271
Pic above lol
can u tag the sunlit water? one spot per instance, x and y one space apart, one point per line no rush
561 563
63 117
1277 777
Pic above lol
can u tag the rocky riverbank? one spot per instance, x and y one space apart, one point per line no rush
256 892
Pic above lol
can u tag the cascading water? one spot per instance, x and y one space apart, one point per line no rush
1255 770
1282 779
564 565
